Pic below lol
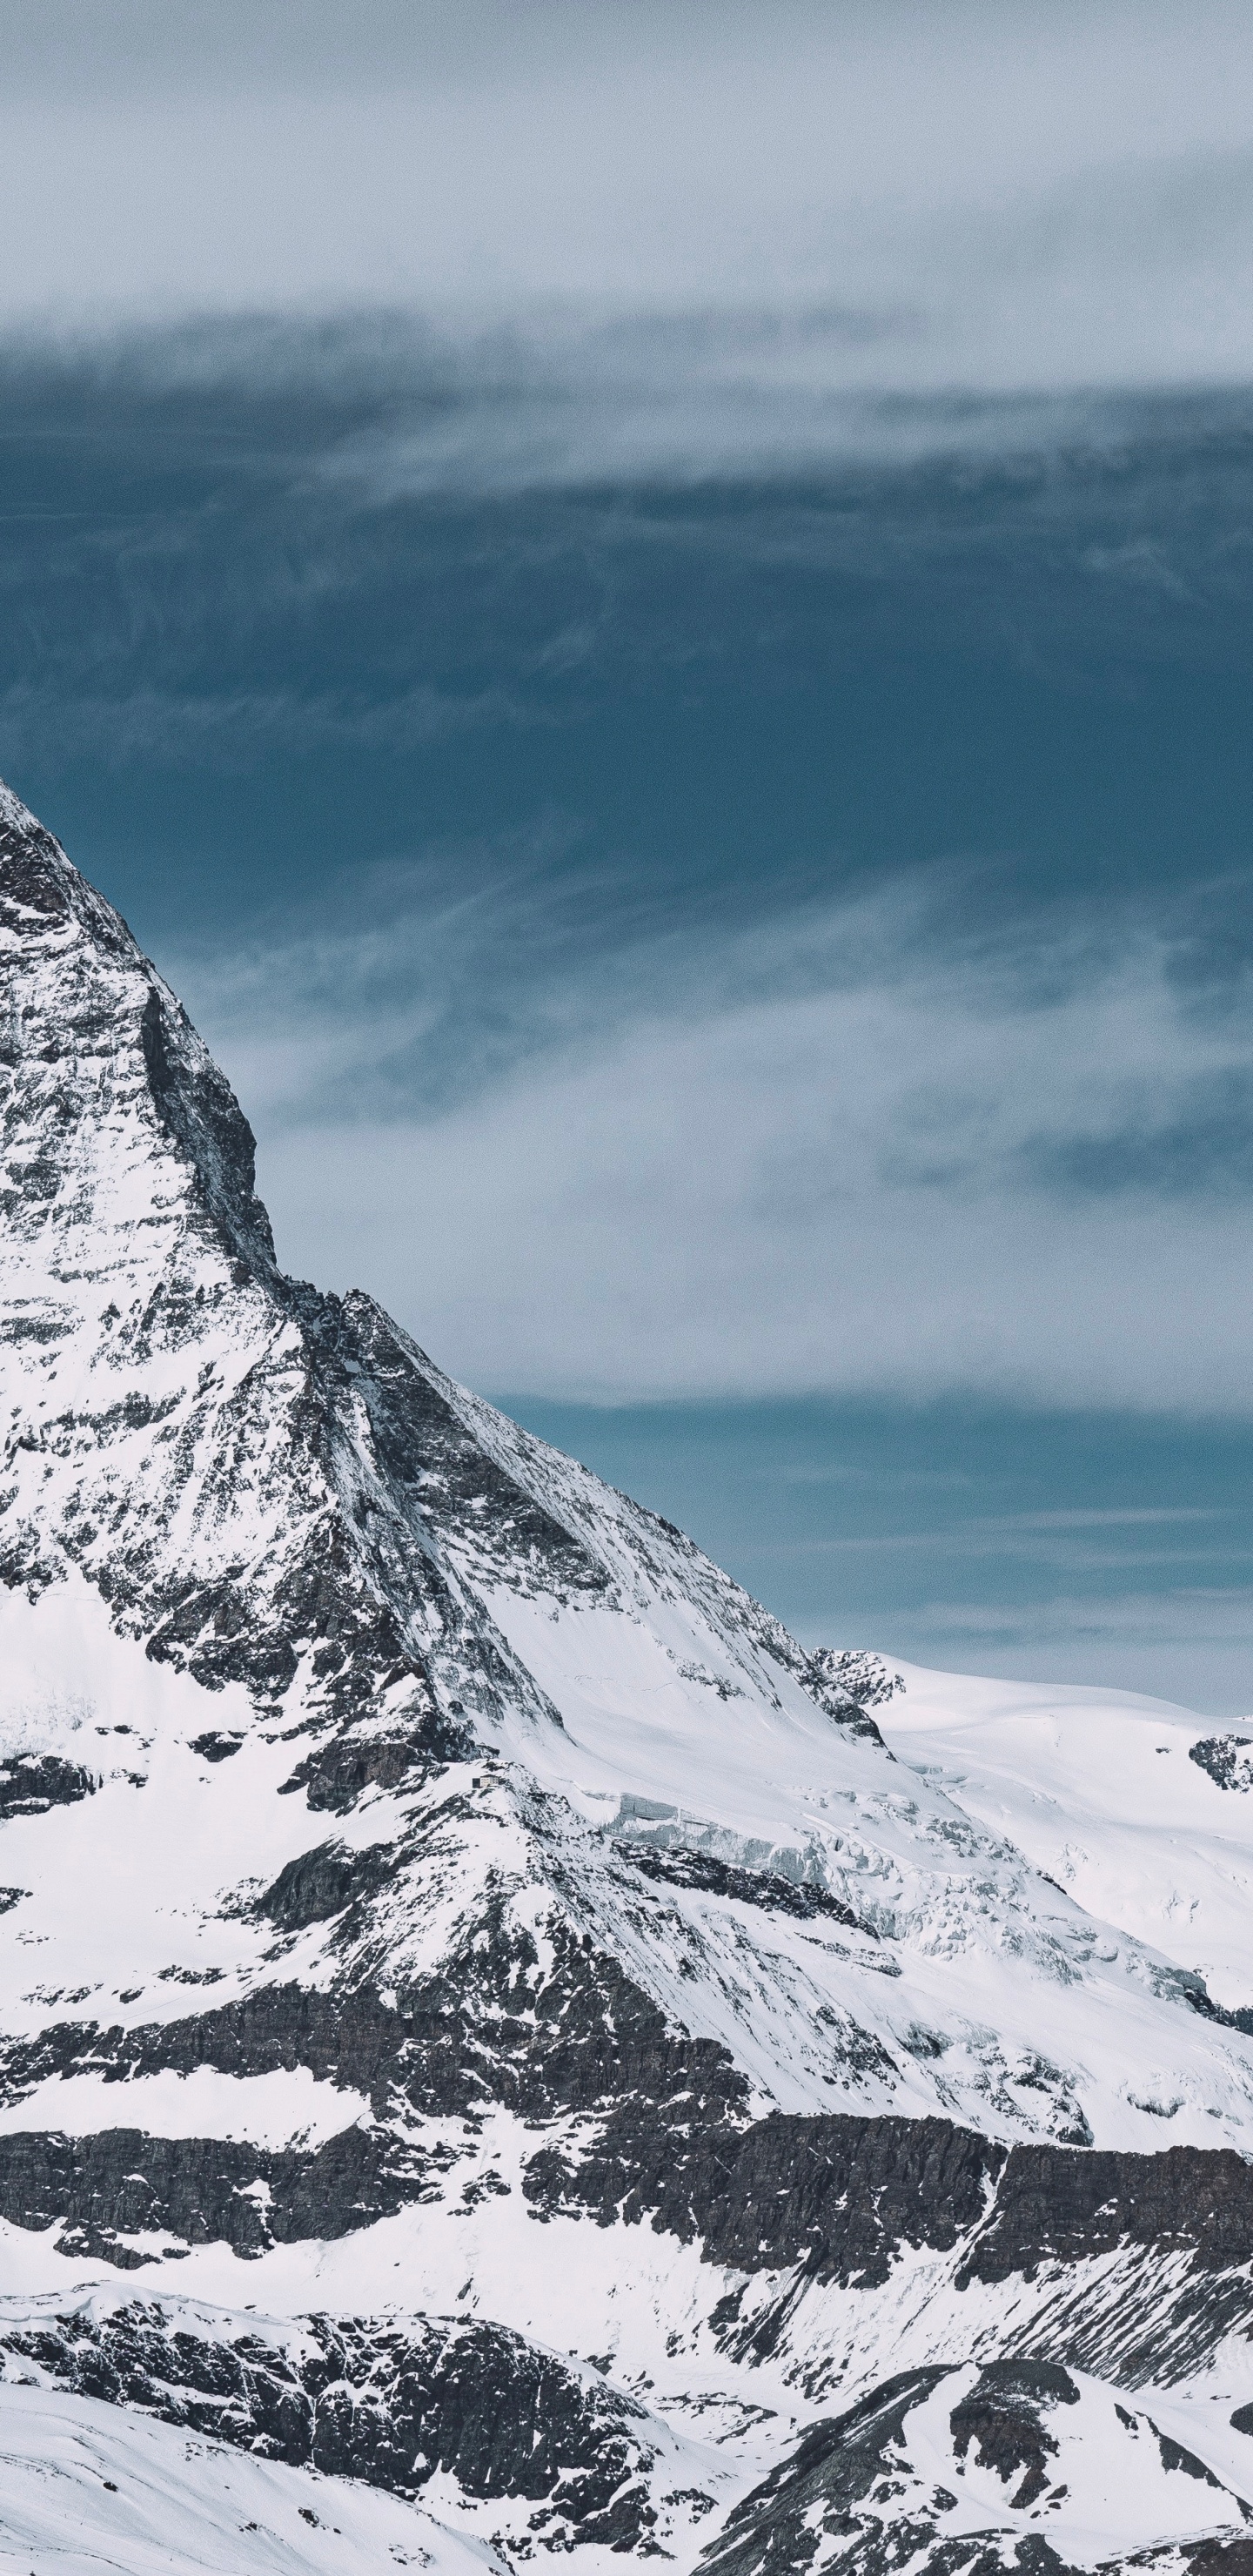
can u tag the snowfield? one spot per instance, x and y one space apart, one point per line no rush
86 2488
1101 1789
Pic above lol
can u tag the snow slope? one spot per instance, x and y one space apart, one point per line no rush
994 2467
86 2487
1104 1791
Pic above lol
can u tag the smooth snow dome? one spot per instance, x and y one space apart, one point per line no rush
1102 1790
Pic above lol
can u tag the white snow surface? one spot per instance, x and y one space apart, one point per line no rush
157 1389
1099 1789
87 2488
1043 2009
287 2108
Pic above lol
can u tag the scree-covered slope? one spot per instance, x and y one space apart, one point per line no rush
483 2013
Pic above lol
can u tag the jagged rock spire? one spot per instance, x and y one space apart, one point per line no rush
77 994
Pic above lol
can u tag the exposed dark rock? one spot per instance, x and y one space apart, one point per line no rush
682 1868
338 1772
1227 1758
863 1678
200 1110
497 2027
394 2404
106 2192
448 1476
334 1509
664 2139
840 2195
814 2494
850 2499
366 2044
1002 2416
848 1684
31 1783
1051 2203
1193 1991
321 1883
1174 2456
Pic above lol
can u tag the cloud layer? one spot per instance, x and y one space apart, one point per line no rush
856 1151
700 236
785 934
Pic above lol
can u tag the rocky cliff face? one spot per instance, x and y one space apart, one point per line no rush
445 1919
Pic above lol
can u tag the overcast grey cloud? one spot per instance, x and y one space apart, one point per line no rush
830 201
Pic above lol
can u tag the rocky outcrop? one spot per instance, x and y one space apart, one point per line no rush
131 2200
360 2397
1228 1759
32 1782
970 2474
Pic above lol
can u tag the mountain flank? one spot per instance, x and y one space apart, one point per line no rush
491 2027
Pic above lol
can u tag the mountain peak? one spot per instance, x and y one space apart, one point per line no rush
79 996
39 884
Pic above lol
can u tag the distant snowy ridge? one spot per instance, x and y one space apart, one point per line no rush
434 1898
1139 1809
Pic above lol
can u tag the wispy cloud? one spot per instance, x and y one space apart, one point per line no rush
1192 1644
216 557
649 607
839 1153
1201 1611
235 731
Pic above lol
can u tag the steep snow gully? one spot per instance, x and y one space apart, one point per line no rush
501 2051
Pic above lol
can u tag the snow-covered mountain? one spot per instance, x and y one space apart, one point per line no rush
1141 1810
484 2014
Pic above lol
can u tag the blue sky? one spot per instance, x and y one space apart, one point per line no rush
649 610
